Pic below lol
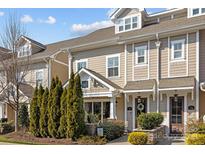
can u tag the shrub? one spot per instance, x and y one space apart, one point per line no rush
138 138
112 129
7 127
149 121
2 120
195 139
92 118
92 140
23 116
196 127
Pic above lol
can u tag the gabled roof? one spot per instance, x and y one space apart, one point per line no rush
40 45
140 85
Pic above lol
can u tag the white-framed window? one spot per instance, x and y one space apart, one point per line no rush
128 23
177 48
140 55
196 12
85 84
81 64
24 51
113 64
39 77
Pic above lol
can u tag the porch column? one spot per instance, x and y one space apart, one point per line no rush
113 107
101 111
133 113
125 111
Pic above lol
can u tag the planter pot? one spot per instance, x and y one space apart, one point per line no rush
91 128
154 135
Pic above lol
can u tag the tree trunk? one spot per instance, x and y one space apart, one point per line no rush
16 119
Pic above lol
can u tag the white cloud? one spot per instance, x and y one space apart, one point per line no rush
50 20
1 14
86 28
110 11
26 19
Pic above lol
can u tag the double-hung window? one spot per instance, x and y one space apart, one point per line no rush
134 22
39 77
85 84
196 12
24 51
127 23
81 64
113 66
140 55
177 50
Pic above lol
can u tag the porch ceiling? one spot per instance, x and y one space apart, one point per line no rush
140 85
179 82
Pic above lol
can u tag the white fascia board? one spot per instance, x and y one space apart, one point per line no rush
164 12
136 91
98 94
177 88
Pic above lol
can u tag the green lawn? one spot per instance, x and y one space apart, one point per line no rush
7 140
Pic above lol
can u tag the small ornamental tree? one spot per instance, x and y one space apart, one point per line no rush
44 114
50 101
40 95
78 107
34 114
71 121
55 109
23 116
63 109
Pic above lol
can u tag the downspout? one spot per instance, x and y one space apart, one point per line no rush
157 43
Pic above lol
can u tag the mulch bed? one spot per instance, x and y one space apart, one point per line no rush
26 137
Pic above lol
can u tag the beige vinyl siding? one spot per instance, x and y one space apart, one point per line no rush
97 61
192 54
191 113
120 108
202 55
153 60
127 12
152 105
201 104
93 89
163 108
164 58
178 68
58 69
30 77
129 62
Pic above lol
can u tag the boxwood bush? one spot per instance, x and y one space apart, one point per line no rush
7 127
112 129
195 139
149 121
195 127
138 138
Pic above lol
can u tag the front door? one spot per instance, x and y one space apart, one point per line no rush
176 116
140 107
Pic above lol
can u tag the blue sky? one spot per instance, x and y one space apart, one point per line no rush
52 25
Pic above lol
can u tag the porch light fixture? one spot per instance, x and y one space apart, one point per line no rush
139 100
175 97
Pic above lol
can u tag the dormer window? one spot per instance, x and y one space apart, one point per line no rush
128 23
196 12
24 51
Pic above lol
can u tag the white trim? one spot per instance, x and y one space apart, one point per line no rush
168 113
187 54
98 94
168 57
136 48
80 61
133 113
38 71
185 111
197 75
125 111
96 78
133 62
148 104
177 88
125 74
136 91
165 12
148 59
190 13
57 61
88 84
113 56
182 41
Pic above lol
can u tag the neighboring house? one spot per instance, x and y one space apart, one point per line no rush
144 63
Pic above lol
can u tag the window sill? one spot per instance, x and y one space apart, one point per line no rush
113 77
141 65
178 60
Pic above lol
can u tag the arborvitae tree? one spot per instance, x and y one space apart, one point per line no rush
71 121
78 107
55 109
63 108
23 116
50 100
34 114
40 95
44 114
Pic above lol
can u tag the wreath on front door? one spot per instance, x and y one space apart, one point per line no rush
140 107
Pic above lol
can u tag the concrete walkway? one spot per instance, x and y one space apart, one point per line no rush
167 141
5 143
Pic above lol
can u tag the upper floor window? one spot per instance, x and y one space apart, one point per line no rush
177 50
39 77
141 55
24 51
81 64
196 12
128 23
113 66
85 84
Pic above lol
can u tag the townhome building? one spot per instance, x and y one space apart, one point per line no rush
143 63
